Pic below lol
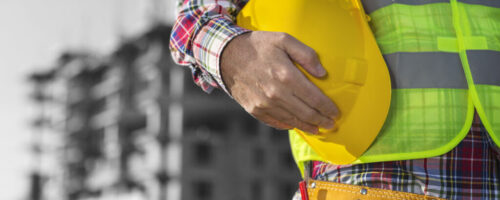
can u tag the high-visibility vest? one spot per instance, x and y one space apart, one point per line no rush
444 60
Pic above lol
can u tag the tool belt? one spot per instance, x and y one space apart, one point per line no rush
323 190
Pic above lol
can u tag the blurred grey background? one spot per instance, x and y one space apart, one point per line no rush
93 107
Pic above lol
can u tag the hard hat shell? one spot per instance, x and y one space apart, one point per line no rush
357 78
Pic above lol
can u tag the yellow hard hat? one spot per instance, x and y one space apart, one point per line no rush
358 80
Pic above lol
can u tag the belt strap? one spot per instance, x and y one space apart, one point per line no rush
322 190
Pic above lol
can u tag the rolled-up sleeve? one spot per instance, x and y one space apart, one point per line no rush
202 30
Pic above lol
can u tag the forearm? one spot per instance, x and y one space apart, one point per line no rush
202 30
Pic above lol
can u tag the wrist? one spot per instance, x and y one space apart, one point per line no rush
227 69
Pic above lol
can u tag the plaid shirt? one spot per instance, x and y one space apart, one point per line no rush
202 30
470 171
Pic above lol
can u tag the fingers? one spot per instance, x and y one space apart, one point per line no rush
280 109
307 92
304 89
291 119
299 96
314 97
278 124
302 54
307 114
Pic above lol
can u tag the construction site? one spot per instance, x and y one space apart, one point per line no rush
132 125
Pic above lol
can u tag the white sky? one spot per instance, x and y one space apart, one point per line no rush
32 34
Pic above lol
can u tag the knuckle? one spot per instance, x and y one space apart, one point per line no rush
285 76
261 105
255 110
283 36
273 93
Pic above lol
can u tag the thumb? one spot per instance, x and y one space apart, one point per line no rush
302 54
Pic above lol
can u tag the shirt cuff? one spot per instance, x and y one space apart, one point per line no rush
211 41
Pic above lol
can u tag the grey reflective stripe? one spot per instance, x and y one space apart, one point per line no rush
490 3
485 66
426 70
372 5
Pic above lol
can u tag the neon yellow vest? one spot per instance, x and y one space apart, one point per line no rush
444 59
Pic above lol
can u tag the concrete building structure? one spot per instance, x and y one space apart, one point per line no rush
132 125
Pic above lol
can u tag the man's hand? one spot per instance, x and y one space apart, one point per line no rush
259 72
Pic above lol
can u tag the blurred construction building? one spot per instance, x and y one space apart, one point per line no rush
132 125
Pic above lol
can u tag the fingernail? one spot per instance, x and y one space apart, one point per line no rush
335 114
321 71
329 125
